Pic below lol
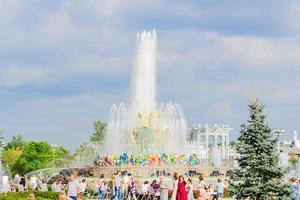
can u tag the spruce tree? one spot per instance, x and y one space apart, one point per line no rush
259 175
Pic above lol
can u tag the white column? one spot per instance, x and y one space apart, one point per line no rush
227 146
215 140
223 146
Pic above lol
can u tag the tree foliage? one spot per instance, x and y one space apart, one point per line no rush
232 144
80 148
99 134
1 139
38 155
10 157
259 175
293 161
17 142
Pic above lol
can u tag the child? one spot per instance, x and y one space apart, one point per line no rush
209 192
62 196
220 189
31 196
190 189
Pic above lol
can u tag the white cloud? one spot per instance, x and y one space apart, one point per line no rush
89 99
15 76
294 16
99 9
82 38
215 50
211 87
224 109
280 96
258 52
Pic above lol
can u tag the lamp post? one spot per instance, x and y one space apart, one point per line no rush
279 132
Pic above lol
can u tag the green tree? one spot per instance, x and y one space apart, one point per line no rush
62 156
38 155
1 139
80 148
17 142
100 130
232 144
293 161
10 157
259 175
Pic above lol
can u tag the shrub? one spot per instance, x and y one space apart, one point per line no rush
23 195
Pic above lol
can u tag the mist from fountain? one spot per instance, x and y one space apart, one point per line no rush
143 78
129 125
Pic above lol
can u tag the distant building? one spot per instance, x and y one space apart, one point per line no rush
290 149
294 142
204 139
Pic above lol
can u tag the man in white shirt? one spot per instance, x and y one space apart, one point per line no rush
33 182
118 182
73 187
5 184
126 180
82 186
145 188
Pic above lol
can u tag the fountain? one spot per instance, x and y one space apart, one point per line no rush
148 140
141 126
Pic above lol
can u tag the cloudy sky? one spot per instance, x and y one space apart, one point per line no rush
64 63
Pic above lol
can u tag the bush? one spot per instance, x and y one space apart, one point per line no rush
23 195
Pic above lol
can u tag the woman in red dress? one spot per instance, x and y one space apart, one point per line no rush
181 191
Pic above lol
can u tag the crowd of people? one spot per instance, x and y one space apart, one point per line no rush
22 183
119 186
147 159
124 185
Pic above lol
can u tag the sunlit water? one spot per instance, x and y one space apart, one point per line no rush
140 125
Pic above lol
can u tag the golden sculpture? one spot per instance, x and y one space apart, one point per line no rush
146 122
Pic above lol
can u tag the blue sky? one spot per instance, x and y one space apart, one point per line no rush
64 63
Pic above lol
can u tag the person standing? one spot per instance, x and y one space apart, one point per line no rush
164 189
175 185
54 186
22 184
125 183
16 180
112 188
202 189
145 188
118 181
156 188
5 184
181 191
73 187
101 185
33 182
82 186
220 189
43 186
132 189
190 189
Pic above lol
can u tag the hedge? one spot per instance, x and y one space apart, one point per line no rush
24 195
